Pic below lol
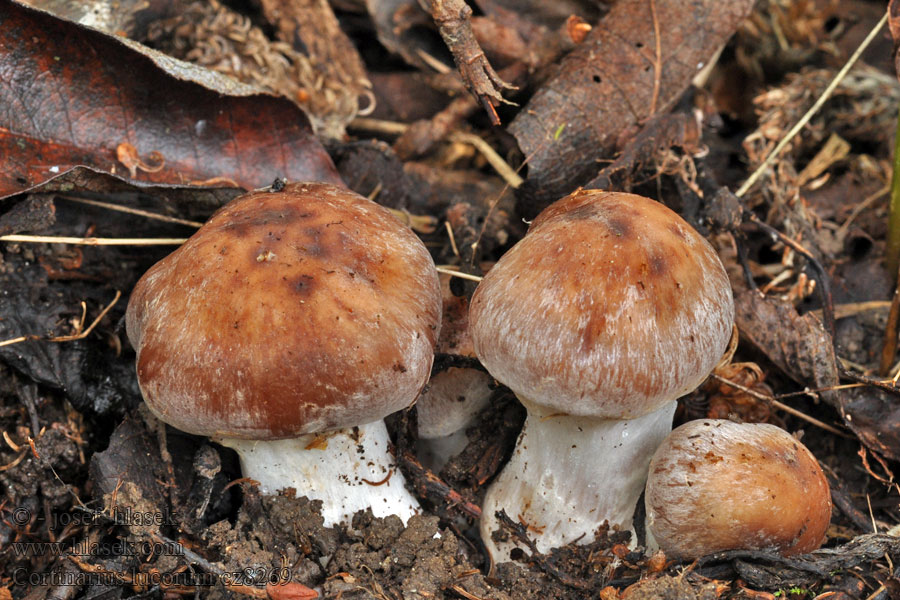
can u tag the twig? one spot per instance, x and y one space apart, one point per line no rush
83 334
745 187
849 309
67 338
814 391
520 532
892 252
784 407
92 241
431 486
459 590
857 210
821 274
433 62
870 381
419 137
453 20
842 501
15 461
420 223
452 238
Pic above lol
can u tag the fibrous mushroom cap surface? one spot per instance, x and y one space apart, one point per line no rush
288 312
610 306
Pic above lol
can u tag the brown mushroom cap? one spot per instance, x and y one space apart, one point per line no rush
610 306
718 485
287 313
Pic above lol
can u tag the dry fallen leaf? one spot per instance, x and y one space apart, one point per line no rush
616 79
73 97
798 345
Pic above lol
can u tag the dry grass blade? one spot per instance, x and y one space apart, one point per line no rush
133 211
378 126
784 407
92 241
496 161
754 177
454 273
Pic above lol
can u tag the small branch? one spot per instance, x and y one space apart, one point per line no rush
821 275
378 126
544 563
430 486
783 407
419 137
892 252
885 386
80 335
453 20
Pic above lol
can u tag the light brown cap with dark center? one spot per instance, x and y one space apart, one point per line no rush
717 485
287 313
610 306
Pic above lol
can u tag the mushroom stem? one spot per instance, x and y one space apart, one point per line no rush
448 407
347 469
569 474
436 452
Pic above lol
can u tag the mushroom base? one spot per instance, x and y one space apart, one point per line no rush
570 474
450 405
348 470
435 453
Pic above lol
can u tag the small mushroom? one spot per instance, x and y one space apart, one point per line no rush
286 328
609 309
717 485
454 397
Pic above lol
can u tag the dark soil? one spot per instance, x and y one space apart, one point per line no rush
165 514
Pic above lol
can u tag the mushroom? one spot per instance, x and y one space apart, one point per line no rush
286 328
609 309
717 485
454 397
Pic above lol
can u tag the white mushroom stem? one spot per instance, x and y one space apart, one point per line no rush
434 453
348 470
569 474
447 407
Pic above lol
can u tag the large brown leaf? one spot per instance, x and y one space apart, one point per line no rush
605 88
71 96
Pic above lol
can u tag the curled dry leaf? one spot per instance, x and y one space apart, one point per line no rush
611 83
798 345
658 135
88 93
